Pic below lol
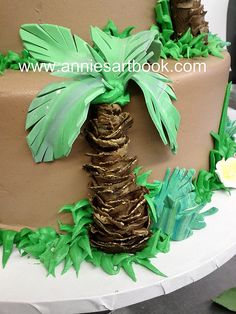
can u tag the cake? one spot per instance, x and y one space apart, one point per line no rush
32 192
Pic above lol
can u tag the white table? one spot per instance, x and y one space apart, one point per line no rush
25 289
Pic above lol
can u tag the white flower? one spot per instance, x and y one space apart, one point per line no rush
226 171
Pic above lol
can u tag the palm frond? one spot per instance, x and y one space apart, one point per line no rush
124 51
56 116
54 44
158 96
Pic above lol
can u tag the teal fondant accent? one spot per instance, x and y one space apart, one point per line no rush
177 211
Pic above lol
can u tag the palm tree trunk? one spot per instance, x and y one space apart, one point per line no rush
121 220
188 14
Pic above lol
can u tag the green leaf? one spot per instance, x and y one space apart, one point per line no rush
8 237
227 299
68 264
107 264
124 50
120 257
54 44
151 207
56 116
77 255
84 243
146 263
35 250
128 268
112 30
158 96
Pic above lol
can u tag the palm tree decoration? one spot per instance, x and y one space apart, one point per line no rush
57 114
188 14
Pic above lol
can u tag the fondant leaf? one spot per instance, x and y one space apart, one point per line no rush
112 30
56 116
124 50
158 96
54 44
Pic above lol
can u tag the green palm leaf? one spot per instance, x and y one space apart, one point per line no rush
158 96
56 116
54 44
123 51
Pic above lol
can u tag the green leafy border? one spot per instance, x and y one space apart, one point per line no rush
71 246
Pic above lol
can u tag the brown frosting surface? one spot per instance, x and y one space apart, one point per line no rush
77 15
31 194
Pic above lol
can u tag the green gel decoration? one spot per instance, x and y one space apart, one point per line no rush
187 46
56 115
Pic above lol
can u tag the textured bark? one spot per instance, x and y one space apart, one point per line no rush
188 14
121 220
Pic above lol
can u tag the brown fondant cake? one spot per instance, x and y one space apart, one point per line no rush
30 193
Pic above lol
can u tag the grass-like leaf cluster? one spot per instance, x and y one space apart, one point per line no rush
71 246
13 60
172 203
187 46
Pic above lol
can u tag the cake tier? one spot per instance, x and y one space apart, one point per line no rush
77 15
31 194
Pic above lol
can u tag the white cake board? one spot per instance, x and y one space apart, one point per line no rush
25 289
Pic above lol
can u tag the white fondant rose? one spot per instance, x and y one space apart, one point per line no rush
226 171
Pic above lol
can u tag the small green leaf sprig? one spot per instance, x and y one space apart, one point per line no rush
172 203
13 60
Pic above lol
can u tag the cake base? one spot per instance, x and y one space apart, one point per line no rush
31 194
